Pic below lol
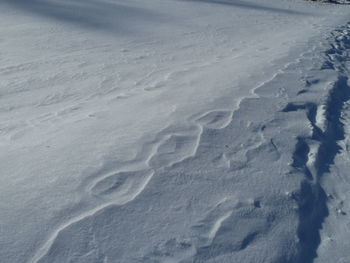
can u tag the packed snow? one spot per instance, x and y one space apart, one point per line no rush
174 131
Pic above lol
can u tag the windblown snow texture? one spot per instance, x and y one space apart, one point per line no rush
220 236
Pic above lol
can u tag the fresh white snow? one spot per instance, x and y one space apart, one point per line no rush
174 131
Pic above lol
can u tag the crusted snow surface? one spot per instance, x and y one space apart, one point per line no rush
174 131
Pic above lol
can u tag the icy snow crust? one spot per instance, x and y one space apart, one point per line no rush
174 131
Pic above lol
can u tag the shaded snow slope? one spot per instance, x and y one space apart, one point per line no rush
169 131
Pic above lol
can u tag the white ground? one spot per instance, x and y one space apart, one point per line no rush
174 131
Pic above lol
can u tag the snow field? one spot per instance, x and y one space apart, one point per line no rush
172 131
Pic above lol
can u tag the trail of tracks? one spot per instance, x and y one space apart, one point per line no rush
315 154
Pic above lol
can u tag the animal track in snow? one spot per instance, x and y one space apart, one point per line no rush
217 119
120 188
174 149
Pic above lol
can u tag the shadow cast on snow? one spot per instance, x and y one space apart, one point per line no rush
249 5
115 16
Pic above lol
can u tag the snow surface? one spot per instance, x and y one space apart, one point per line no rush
174 131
